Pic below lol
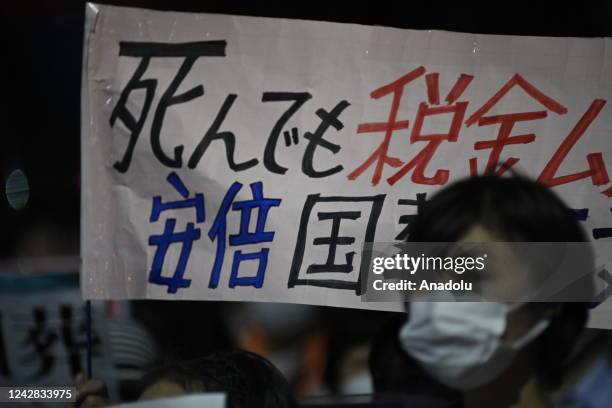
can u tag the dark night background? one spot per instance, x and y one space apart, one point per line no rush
41 68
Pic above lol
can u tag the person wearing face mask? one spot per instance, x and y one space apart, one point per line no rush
496 354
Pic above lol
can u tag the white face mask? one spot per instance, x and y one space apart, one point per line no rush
459 343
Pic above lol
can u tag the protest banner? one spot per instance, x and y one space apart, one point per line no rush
244 158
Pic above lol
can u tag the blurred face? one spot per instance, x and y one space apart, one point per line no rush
508 278
468 345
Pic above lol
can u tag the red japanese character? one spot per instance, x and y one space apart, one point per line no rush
507 122
421 160
597 169
380 155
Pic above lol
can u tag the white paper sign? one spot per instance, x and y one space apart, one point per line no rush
212 400
240 158
43 333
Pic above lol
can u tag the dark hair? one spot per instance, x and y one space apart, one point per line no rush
394 372
518 209
247 379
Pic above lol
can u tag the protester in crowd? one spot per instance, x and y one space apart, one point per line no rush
497 354
247 379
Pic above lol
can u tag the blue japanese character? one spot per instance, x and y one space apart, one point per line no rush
169 236
581 214
218 232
